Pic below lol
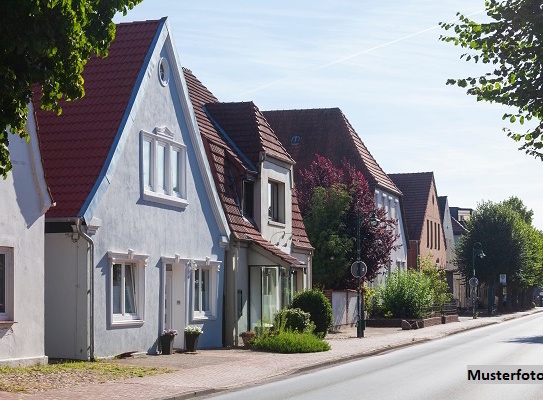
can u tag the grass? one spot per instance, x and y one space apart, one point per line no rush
287 341
68 373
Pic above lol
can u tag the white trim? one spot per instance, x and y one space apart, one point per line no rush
163 137
140 262
163 63
36 162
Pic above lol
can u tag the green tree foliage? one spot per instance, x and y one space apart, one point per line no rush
511 45
438 280
325 226
47 43
511 245
406 294
319 308
330 199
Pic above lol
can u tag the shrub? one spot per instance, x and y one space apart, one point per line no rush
406 295
293 319
319 308
286 341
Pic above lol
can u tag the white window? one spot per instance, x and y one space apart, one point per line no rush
127 287
204 289
6 284
163 164
276 201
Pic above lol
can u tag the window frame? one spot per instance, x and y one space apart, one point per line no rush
7 314
163 138
139 261
276 201
248 199
212 268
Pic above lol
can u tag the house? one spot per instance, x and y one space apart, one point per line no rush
454 279
426 235
137 242
269 256
459 229
24 200
327 132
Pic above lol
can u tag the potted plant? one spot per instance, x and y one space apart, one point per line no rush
247 337
166 341
192 333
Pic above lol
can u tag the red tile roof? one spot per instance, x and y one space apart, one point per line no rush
249 130
416 189
76 144
229 166
326 132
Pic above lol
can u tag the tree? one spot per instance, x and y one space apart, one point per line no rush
511 46
438 280
511 245
329 200
325 226
47 43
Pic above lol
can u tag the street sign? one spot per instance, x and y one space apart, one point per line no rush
363 269
473 282
503 279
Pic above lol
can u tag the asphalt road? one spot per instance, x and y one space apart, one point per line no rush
434 370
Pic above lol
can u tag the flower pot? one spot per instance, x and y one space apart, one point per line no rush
246 337
191 341
166 344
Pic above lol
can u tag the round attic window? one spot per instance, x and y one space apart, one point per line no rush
163 71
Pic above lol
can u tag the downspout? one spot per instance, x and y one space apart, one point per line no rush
234 292
91 287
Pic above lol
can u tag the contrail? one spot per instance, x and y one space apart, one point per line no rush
340 60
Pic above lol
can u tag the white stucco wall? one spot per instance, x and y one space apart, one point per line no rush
21 231
391 203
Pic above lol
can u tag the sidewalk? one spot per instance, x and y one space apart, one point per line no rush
212 371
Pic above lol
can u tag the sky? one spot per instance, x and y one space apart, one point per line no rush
381 63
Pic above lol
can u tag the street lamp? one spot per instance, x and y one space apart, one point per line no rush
477 251
361 271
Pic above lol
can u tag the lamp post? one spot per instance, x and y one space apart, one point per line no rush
361 271
477 251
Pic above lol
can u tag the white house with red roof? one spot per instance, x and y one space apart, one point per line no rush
269 258
24 200
137 242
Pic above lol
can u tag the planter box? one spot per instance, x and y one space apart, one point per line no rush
191 341
449 318
166 344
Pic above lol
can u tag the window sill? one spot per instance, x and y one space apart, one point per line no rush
165 199
276 223
204 317
7 323
127 323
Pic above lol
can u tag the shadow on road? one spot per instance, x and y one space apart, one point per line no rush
528 339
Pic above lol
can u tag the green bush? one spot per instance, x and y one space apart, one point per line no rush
293 319
286 341
319 308
406 295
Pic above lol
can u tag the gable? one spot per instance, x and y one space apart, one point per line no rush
229 164
77 144
416 189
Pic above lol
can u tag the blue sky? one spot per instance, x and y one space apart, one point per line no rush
381 63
